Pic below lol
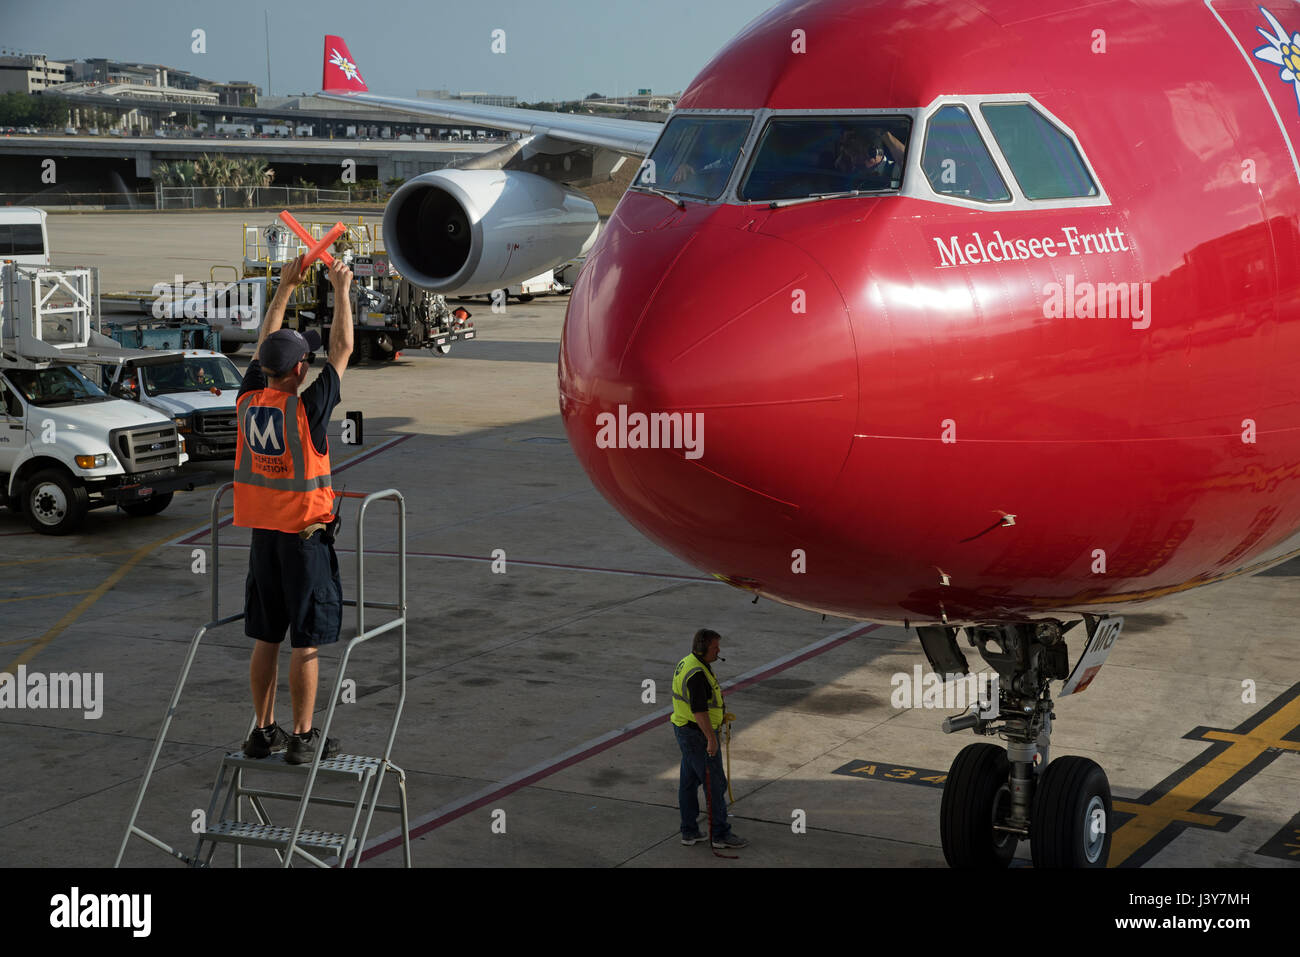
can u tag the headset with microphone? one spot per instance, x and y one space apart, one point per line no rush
700 644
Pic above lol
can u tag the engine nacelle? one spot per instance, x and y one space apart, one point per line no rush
475 230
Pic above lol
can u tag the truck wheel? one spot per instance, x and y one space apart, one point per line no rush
150 506
231 348
55 504
363 350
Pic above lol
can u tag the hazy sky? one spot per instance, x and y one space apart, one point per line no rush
554 48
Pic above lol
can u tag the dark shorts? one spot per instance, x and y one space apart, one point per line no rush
293 585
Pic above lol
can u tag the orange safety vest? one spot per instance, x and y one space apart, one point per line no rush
281 481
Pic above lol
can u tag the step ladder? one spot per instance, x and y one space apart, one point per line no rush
366 774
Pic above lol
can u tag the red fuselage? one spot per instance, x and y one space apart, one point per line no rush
949 429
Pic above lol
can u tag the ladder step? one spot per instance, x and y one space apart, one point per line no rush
273 835
341 765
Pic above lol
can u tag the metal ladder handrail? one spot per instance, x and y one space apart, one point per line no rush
361 637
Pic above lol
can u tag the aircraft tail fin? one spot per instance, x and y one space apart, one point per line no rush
340 73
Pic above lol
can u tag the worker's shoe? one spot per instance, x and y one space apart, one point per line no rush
731 842
302 747
690 840
263 741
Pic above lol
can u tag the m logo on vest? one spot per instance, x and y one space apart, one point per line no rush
264 432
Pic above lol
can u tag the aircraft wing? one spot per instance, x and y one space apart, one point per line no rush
341 80
634 137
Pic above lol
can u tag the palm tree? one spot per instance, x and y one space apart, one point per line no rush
180 173
252 172
215 172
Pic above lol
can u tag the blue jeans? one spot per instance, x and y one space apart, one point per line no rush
695 756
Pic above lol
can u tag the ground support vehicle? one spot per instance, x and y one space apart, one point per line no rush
195 388
65 445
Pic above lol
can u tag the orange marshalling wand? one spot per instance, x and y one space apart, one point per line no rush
315 249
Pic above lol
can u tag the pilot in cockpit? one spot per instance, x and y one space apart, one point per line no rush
714 160
869 160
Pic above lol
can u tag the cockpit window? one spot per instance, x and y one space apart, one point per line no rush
695 155
806 156
956 161
1042 158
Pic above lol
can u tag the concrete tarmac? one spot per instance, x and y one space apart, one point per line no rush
543 634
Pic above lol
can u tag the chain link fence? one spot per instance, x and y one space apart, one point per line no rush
249 197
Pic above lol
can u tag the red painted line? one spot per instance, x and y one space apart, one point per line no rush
383 447
515 561
776 669
578 758
563 565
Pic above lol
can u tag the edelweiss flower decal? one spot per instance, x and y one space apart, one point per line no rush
1283 50
350 69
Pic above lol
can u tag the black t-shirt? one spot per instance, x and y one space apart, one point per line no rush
698 691
318 399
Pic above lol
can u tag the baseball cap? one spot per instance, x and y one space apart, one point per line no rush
285 348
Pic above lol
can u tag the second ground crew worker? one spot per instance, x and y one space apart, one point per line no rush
698 711
283 492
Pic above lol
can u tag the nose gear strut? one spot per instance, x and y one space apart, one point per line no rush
995 797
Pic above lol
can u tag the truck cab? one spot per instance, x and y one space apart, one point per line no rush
67 447
194 388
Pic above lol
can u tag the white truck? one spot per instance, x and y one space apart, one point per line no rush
66 446
234 308
195 388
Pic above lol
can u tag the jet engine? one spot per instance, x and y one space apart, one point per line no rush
472 231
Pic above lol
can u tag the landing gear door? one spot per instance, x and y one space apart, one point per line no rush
1094 655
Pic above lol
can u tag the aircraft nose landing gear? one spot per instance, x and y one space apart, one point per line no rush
996 797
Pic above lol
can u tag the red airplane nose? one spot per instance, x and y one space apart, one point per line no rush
708 383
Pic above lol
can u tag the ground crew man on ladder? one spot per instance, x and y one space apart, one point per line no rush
698 712
283 493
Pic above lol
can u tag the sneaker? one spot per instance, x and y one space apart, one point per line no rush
732 842
690 840
263 741
302 747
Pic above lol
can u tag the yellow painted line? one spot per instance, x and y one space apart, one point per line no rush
1177 804
16 641
53 594
1188 817
118 574
1231 737
84 605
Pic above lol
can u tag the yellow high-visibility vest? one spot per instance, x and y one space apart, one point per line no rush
682 714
